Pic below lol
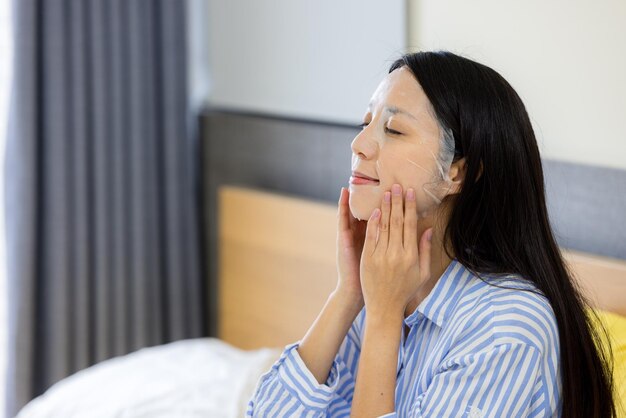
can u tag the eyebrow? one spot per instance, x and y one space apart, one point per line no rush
393 110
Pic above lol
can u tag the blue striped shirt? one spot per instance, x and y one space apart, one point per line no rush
473 350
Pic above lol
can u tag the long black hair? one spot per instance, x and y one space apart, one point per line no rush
499 222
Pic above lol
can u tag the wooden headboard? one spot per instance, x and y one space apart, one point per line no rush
277 267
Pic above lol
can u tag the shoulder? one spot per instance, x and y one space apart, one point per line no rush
523 314
506 310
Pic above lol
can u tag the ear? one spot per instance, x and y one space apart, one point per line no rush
458 170
457 176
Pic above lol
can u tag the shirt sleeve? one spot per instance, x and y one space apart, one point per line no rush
290 389
498 382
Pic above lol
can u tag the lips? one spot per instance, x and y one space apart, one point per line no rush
361 180
363 176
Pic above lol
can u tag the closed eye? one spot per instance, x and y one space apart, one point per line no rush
390 131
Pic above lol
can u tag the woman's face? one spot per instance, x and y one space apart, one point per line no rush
399 143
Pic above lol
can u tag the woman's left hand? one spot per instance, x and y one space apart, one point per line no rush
393 268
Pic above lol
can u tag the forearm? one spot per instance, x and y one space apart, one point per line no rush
322 341
374 393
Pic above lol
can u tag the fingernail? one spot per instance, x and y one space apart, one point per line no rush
410 194
430 235
395 189
387 197
376 213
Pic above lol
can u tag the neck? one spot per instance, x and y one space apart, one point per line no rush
439 262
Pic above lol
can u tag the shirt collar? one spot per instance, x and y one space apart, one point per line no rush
436 306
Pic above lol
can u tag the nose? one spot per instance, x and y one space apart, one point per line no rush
364 146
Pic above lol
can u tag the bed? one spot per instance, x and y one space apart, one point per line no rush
276 268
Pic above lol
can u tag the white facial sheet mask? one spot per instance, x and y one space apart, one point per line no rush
441 182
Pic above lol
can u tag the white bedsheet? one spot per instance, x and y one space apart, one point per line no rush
202 377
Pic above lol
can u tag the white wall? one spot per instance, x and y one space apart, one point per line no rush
565 58
317 59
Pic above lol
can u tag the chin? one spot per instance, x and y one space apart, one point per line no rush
362 207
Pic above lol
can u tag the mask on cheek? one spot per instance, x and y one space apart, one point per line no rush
425 168
441 183
431 176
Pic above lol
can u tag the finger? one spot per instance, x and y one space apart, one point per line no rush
424 253
396 218
410 221
353 222
357 226
383 233
370 233
343 222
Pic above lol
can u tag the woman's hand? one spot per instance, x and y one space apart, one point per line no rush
350 239
392 267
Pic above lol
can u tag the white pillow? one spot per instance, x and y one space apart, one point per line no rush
202 377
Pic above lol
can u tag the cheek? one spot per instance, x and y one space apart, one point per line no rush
416 170
409 166
408 169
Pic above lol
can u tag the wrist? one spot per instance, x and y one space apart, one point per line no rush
384 318
350 300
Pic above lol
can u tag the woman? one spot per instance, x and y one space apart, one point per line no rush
452 298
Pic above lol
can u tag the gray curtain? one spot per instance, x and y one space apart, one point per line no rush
102 234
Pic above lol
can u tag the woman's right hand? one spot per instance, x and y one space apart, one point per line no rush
350 239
